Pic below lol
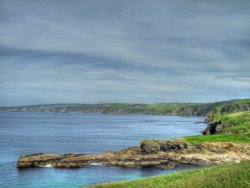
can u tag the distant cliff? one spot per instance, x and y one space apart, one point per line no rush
183 109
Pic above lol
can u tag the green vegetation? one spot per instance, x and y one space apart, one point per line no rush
185 109
217 138
117 108
241 119
229 107
233 127
222 176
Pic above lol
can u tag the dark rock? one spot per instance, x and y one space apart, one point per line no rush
211 128
154 146
171 145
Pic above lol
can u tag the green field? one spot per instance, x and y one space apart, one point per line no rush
235 175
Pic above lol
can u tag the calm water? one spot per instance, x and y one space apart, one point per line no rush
25 133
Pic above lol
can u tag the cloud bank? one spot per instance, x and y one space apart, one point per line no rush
97 51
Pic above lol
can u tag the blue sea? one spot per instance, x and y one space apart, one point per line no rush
60 133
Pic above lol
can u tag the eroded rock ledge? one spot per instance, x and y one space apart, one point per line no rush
161 154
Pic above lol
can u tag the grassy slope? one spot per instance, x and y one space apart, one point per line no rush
229 107
238 129
222 176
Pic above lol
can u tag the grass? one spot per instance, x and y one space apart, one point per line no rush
229 107
245 138
222 176
238 129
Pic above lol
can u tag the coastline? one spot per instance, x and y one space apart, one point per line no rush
163 154
225 140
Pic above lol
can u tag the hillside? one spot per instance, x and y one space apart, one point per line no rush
150 109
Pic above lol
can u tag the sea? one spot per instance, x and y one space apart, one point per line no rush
88 133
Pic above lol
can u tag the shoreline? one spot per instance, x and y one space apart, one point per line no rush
225 139
148 155
122 158
162 154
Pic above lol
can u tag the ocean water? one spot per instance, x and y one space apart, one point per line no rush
26 133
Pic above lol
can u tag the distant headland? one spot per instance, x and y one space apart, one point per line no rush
182 109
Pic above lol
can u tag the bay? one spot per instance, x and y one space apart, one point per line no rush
25 133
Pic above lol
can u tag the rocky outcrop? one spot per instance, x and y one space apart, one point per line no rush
154 146
212 128
161 154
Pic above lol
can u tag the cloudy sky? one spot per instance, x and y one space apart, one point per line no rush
143 51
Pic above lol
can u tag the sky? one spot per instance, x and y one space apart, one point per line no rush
133 51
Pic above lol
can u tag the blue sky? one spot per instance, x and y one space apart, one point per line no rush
136 51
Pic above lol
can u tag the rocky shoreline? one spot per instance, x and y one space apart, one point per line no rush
162 154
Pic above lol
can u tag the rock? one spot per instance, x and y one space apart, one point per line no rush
212 128
172 145
165 166
183 145
162 154
150 146
154 146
